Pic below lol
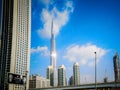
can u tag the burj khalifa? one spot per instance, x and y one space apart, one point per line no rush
53 55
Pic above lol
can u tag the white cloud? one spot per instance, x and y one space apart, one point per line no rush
84 54
69 6
60 18
46 2
43 50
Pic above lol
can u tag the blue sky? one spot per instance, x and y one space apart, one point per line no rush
81 28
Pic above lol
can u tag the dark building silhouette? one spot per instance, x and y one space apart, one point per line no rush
6 38
71 81
105 80
116 67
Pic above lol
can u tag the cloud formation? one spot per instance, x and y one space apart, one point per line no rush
84 54
43 50
59 17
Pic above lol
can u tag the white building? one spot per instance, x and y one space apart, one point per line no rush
15 41
76 74
37 81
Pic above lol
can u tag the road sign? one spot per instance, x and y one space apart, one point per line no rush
16 79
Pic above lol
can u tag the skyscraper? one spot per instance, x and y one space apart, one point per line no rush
50 74
116 67
76 74
61 76
53 56
15 41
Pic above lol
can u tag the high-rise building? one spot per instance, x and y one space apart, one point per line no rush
15 42
53 56
116 67
50 74
76 74
36 81
61 76
71 81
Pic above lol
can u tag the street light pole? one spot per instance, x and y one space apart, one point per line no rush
95 73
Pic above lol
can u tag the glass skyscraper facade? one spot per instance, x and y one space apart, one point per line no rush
61 76
76 74
50 74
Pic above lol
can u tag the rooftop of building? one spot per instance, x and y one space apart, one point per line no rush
37 77
62 66
76 64
50 67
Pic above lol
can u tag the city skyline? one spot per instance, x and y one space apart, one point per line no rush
72 33
81 28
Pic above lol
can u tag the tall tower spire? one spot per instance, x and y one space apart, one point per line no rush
53 55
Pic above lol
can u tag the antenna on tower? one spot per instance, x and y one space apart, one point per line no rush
52 27
105 73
